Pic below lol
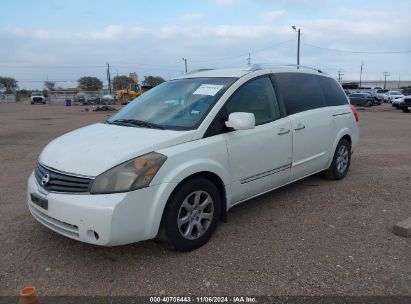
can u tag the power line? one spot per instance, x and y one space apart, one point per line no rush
252 52
357 52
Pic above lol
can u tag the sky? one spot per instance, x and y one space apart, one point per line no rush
62 41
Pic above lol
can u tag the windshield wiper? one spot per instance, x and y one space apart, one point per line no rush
136 122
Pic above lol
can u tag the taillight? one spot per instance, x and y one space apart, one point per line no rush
354 111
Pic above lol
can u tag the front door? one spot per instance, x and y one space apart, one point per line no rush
260 158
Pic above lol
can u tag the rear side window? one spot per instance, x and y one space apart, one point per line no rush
300 92
333 94
257 97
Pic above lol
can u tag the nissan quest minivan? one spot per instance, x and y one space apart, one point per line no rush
173 162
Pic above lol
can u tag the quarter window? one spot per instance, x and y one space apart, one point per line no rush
300 92
333 94
257 97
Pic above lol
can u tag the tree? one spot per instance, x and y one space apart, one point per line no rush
23 93
152 80
49 85
8 84
119 82
88 83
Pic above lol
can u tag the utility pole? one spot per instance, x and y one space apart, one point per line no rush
385 78
399 80
185 63
339 75
249 59
108 77
298 45
362 63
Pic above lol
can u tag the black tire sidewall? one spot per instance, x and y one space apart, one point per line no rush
336 174
172 233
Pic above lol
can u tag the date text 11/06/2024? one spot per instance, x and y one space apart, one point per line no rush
205 299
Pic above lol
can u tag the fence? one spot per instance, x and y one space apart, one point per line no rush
7 97
59 97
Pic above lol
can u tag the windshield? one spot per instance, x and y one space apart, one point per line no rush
395 93
179 104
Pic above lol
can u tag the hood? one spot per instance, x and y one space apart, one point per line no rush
94 149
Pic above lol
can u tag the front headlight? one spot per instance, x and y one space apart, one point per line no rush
131 175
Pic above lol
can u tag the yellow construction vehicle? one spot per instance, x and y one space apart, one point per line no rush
125 95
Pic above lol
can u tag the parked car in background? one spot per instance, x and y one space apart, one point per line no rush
90 99
397 102
361 99
107 99
380 94
373 95
79 98
390 96
406 91
405 105
37 97
174 161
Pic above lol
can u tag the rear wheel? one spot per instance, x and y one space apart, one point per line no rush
341 161
405 110
192 215
369 104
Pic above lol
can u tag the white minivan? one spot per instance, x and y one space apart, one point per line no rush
175 160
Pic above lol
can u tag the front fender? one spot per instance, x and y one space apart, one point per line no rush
204 155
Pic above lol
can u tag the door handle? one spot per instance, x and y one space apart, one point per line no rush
300 126
283 131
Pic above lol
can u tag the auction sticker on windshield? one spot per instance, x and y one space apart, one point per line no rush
208 89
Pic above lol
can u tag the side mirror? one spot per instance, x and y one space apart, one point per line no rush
241 121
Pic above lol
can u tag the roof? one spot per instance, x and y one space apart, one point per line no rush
239 72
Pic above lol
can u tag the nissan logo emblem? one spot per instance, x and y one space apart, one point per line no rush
45 179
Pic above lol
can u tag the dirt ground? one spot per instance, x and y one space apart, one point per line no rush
314 237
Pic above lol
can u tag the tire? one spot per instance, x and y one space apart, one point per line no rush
369 104
335 172
406 110
177 218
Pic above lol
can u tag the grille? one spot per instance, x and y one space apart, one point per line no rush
61 182
37 99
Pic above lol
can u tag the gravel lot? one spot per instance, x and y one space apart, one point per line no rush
315 237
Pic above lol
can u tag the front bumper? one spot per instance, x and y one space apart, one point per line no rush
106 219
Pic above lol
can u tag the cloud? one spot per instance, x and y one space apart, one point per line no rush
273 15
192 17
158 50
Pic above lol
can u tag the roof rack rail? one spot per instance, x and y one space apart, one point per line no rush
198 70
260 66
305 67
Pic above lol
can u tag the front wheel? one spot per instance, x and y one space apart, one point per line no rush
341 161
192 214
405 110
